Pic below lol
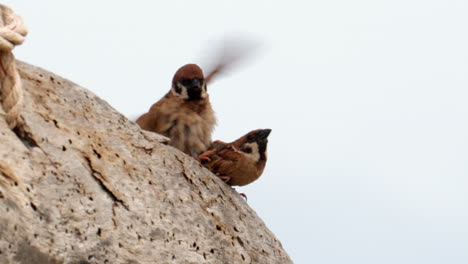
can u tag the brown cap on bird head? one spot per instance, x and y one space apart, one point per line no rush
188 71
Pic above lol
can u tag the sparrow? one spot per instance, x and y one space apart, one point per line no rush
240 162
184 114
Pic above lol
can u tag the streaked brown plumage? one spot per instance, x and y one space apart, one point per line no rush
240 162
184 114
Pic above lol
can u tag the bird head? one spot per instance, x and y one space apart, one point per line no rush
254 144
188 83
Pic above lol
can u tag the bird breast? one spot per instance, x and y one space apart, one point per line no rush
246 171
191 131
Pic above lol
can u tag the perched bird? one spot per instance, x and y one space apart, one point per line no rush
184 114
240 162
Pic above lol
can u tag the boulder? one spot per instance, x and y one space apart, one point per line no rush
80 183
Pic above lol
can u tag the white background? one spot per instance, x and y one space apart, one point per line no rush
367 101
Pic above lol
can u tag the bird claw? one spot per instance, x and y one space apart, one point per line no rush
202 159
243 195
205 157
224 178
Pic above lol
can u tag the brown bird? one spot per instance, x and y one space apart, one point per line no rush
240 162
184 114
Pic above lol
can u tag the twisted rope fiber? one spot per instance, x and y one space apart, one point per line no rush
12 33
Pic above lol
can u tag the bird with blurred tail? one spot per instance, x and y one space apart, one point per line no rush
185 114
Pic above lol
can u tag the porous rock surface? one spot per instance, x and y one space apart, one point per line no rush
79 183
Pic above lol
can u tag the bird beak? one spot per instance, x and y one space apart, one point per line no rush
263 134
195 83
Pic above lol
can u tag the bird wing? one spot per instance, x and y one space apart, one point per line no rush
146 121
225 159
155 119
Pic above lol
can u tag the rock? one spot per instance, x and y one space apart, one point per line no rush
79 183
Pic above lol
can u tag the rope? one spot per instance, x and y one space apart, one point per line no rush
12 33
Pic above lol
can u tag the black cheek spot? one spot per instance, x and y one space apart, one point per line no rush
247 150
177 89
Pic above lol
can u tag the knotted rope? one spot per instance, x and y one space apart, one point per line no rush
12 33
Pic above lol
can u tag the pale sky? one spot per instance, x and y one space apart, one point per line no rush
368 158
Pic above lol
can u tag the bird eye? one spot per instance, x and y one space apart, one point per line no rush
247 149
185 82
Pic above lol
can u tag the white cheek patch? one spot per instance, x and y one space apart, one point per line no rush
204 93
254 154
183 94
